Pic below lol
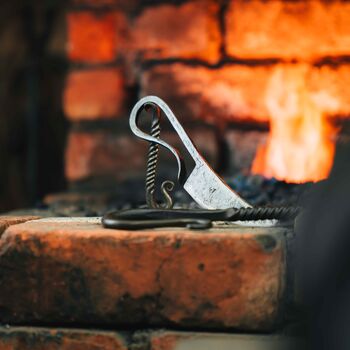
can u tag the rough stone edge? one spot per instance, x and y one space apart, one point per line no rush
8 220
161 339
155 339
57 332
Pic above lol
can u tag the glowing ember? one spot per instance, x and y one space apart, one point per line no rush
300 146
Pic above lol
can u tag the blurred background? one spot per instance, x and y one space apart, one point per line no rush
32 124
261 87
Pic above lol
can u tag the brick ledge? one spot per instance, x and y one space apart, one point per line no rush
73 271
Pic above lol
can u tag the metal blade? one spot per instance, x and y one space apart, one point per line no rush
210 191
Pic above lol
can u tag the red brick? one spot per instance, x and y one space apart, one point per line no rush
329 87
94 94
8 220
232 92
92 37
33 338
101 153
106 153
238 92
288 29
167 340
232 277
243 145
189 31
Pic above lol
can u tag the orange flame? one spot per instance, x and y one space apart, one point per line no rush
300 146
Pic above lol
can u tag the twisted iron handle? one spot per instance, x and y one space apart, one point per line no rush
152 162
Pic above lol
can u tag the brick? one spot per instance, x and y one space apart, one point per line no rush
241 93
92 37
232 92
242 145
103 153
70 271
327 85
288 29
94 94
187 31
8 220
168 340
35 338
106 153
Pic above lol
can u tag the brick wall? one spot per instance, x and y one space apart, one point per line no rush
211 60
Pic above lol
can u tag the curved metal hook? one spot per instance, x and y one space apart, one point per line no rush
166 187
134 117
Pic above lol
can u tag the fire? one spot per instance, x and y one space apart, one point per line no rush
300 145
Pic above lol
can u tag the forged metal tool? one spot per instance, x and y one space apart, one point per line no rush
219 201
202 184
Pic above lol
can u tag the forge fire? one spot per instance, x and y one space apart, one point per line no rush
301 141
